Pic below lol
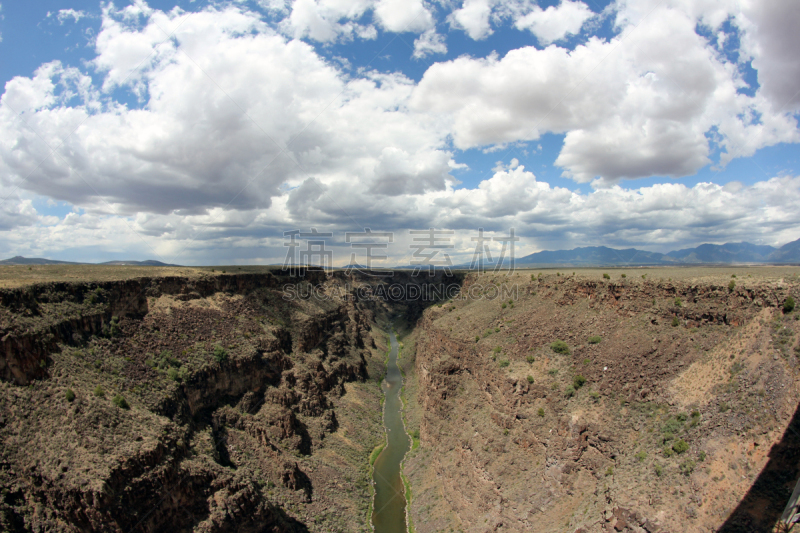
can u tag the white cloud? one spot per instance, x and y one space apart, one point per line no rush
64 14
403 16
473 17
640 104
555 22
429 43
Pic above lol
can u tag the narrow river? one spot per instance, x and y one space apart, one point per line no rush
389 515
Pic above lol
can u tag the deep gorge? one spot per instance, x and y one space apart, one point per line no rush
217 404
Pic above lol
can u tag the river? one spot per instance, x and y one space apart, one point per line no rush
389 514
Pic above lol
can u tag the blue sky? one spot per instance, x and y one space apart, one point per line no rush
638 123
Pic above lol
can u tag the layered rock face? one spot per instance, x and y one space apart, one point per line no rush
669 406
175 404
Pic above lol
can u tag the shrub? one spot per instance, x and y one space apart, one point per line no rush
561 347
675 322
497 349
220 355
731 285
477 338
641 455
578 381
682 417
668 451
595 339
569 392
788 305
678 302
120 402
623 275
610 471
69 395
172 373
540 412
99 392
530 379
681 446
530 359
658 470
644 276
701 456
594 395
533 277
687 467
504 363
586 361
606 276
723 407
504 305
733 275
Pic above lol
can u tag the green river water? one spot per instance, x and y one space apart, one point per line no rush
389 514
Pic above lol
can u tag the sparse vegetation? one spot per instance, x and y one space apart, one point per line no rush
578 381
504 363
595 339
678 302
658 470
731 285
99 392
69 395
687 467
606 276
680 446
220 354
561 347
675 322
530 359
120 402
569 392
788 305
641 455
530 378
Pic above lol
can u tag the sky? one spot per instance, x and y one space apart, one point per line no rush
199 133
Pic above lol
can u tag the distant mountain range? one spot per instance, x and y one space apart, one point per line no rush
708 254
19 260
728 253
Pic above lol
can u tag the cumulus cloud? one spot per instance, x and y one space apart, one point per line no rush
244 130
473 17
555 22
404 15
429 43
640 104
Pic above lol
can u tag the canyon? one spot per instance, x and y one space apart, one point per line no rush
201 400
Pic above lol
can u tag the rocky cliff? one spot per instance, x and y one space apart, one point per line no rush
190 404
666 407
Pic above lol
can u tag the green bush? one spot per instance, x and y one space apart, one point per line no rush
682 417
540 412
701 456
658 470
623 275
531 359
595 339
477 338
578 381
120 402
69 395
504 363
561 347
668 451
681 446
678 302
788 305
675 322
530 379
220 355
687 467
99 392
606 276
594 395
569 392
504 305
731 285
641 455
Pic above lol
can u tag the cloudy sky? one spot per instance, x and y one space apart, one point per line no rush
199 132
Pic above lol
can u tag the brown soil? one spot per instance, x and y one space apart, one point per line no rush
510 442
